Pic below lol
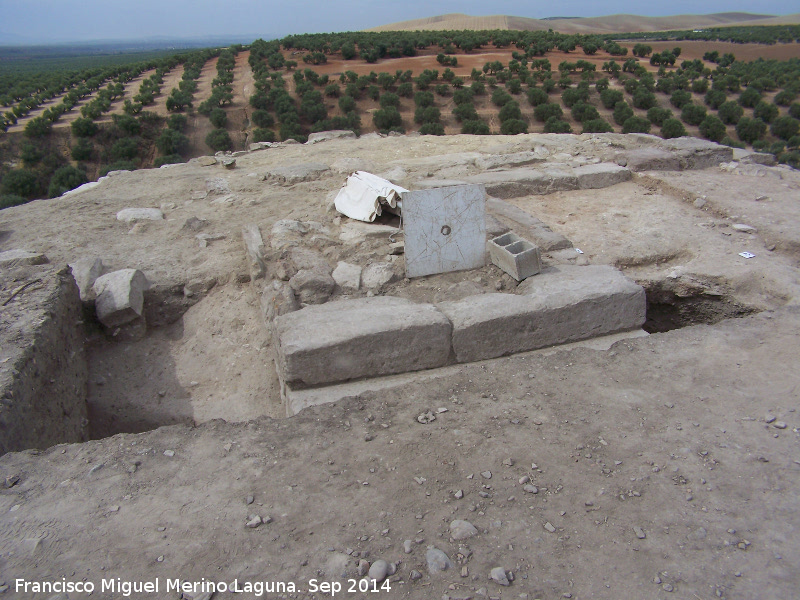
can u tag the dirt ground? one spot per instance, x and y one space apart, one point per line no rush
665 466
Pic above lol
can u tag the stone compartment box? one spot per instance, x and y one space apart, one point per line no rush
516 256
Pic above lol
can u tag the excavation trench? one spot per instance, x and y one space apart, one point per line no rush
668 309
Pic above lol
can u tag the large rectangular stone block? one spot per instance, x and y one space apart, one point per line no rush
527 182
557 306
600 175
445 229
365 337
531 227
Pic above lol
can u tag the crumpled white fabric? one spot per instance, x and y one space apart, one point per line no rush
364 196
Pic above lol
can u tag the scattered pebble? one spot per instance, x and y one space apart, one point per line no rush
253 521
486 474
498 575
437 560
524 479
461 530
379 570
415 575
363 567
779 425
549 527
169 453
531 489
408 546
459 494
667 587
249 500
639 533
426 417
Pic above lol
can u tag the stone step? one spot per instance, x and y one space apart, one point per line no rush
559 305
364 337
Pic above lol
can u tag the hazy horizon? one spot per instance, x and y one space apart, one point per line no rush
59 21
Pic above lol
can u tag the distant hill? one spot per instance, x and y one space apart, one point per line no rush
609 24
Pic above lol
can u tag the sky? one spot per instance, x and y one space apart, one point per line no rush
43 21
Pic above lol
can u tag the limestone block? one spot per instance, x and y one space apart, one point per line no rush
120 296
557 306
651 159
527 182
365 337
531 227
297 173
695 153
131 215
277 298
254 249
334 134
600 175
86 271
312 286
376 275
347 276
17 258
445 229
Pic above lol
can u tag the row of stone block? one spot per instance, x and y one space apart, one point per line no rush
371 337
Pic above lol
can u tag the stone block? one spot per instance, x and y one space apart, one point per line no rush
445 229
131 215
347 276
557 306
376 275
600 175
365 337
334 134
86 271
277 298
18 258
527 182
515 255
534 229
120 297
312 286
255 251
695 153
650 159
297 173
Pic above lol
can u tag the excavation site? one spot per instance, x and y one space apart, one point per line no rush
462 367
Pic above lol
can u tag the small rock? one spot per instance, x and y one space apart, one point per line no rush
524 479
459 494
379 570
169 453
437 560
11 481
461 530
408 545
253 521
509 462
228 162
779 425
498 575
363 567
15 258
549 527
486 474
427 417
667 587
639 533
206 161
131 215
699 202
465 571
415 575
249 500
770 419
531 489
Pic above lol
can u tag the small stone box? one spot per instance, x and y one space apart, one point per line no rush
516 256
